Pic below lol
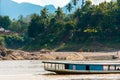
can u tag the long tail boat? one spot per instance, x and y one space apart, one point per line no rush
82 67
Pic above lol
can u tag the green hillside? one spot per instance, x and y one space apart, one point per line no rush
89 28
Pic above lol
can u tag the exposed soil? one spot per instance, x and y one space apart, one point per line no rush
47 55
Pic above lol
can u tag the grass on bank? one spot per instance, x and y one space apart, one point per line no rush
86 47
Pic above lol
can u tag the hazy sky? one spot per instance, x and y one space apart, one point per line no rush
99 1
56 3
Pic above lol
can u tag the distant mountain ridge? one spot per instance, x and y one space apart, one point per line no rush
13 9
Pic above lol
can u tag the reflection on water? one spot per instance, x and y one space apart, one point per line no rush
33 70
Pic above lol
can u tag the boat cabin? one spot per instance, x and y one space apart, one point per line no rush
82 67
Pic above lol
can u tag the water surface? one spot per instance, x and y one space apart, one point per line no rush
33 70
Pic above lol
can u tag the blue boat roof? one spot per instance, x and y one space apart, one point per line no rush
101 62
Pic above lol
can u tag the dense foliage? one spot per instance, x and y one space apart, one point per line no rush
87 24
14 41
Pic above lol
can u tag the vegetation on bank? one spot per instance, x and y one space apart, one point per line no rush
90 27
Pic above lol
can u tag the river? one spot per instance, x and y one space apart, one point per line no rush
33 70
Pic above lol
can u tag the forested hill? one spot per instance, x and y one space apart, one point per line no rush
94 27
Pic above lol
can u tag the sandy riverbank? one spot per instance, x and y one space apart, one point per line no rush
38 55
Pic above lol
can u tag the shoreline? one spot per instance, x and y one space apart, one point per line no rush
47 55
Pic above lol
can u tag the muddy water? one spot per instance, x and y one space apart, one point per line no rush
33 70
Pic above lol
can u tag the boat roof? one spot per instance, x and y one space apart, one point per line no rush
102 62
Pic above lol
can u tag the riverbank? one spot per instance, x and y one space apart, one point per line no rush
47 55
38 55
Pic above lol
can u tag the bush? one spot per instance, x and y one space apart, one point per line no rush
14 40
2 41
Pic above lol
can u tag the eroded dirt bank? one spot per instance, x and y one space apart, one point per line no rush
47 55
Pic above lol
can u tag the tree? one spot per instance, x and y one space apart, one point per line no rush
20 26
78 14
68 31
91 22
14 40
69 7
38 27
87 5
44 17
44 13
82 4
34 26
75 2
5 21
15 26
111 5
57 31
118 3
59 13
2 41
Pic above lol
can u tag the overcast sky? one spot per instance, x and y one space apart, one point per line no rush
56 3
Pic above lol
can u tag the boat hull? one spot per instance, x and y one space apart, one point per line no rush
83 72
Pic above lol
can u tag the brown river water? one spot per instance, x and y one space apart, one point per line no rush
33 70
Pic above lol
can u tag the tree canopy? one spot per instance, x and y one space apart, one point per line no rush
87 24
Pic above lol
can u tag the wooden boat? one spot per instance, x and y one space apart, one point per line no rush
82 67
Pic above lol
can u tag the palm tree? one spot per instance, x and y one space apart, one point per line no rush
111 5
59 13
78 14
82 4
75 2
69 7
87 5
